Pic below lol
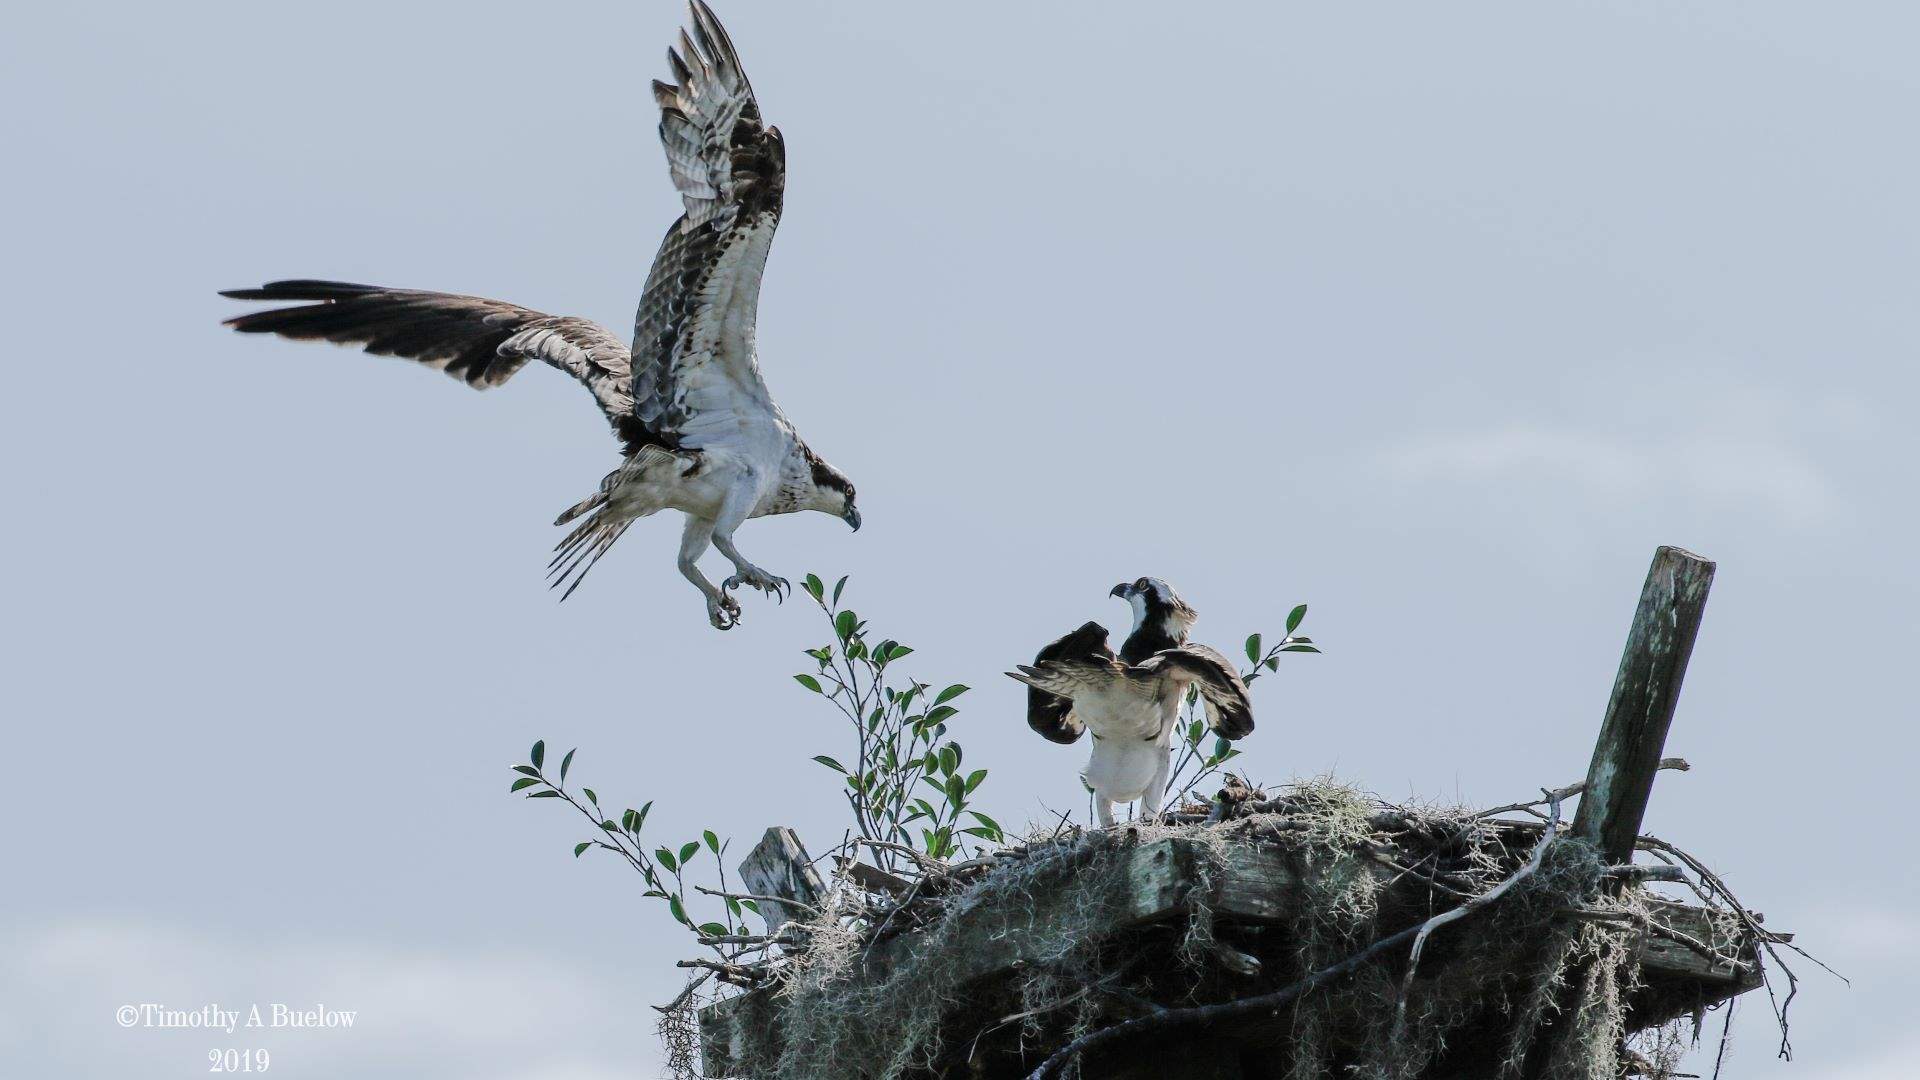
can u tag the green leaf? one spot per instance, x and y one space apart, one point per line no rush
956 789
688 850
527 770
666 859
567 763
1253 649
837 587
1300 648
543 795
985 820
591 797
580 847
1294 617
830 763
733 906
712 929
940 713
679 910
1273 663
751 906
1193 731
984 834
949 759
641 818
950 693
1221 747
973 780
814 588
897 652
539 755
809 682
713 842
523 782
844 623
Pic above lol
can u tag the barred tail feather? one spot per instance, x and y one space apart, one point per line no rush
576 554
592 502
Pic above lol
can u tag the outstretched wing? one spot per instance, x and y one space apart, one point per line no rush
480 342
1051 714
695 373
1229 709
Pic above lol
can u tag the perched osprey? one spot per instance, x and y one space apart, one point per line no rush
699 431
1131 702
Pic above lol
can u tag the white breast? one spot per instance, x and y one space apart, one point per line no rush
1121 770
1133 733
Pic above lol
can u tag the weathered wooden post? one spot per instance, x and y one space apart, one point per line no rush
778 869
1626 757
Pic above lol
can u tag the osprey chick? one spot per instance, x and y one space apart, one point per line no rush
1131 701
699 431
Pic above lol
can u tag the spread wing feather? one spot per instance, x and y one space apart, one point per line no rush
1051 714
1070 677
695 373
1229 707
478 341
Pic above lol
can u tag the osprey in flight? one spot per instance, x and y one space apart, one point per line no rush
1132 701
699 431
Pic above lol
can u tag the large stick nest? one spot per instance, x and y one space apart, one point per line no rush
1517 930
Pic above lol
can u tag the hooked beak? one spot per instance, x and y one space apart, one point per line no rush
1123 590
852 518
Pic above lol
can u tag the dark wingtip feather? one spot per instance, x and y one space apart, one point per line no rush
301 289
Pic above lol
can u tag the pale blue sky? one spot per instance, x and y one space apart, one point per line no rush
1437 317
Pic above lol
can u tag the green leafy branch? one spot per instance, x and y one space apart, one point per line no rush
906 768
1192 752
664 869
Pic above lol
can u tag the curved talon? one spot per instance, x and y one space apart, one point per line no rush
761 582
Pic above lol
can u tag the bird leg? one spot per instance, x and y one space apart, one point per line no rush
732 513
1156 791
722 611
1102 811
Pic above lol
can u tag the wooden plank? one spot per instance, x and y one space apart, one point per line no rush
1626 756
778 866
